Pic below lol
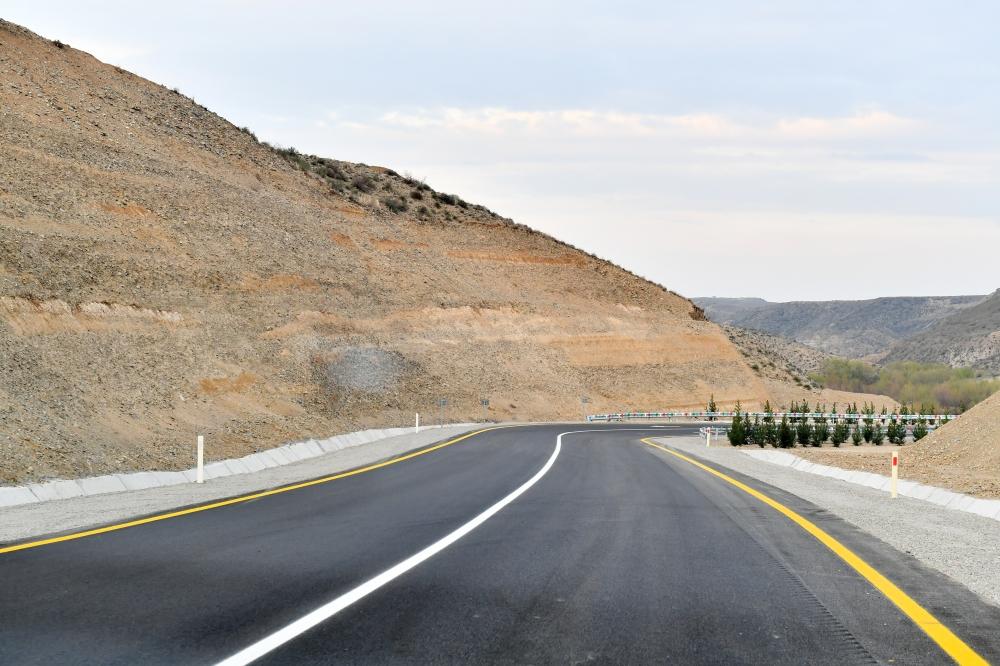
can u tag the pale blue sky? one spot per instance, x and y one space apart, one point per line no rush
788 150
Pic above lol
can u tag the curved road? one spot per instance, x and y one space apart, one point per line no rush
600 549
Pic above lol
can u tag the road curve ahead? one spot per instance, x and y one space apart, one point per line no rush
511 546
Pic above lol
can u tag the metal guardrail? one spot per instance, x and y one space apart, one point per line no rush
930 419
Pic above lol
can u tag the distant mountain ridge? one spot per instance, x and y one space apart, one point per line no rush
854 329
968 338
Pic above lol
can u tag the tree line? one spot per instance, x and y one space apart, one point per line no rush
955 389
790 432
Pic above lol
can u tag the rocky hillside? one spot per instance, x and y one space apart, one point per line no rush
725 310
163 273
968 338
854 329
777 357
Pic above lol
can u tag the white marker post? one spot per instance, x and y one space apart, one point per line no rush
200 478
895 474
416 425
708 437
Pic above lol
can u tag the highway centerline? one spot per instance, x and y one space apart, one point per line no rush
331 608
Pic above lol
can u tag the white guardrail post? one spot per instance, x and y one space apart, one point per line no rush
200 477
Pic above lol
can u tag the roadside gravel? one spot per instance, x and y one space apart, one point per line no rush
28 520
961 545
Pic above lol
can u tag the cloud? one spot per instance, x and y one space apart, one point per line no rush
597 123
866 124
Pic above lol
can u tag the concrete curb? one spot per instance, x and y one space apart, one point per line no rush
940 496
114 483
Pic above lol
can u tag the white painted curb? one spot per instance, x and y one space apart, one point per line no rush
114 483
946 498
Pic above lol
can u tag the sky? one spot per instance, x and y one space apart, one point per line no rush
786 150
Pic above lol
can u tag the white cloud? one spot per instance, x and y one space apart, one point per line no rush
587 122
872 123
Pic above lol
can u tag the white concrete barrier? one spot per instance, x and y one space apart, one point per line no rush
113 483
16 495
940 496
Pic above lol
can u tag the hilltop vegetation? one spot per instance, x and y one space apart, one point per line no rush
909 382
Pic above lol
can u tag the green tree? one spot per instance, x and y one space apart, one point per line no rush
768 428
840 433
856 435
820 433
711 407
920 430
786 436
757 433
803 432
737 432
770 433
877 434
896 432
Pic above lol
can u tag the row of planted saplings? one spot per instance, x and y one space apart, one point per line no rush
787 433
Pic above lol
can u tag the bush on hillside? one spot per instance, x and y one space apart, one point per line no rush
363 183
395 204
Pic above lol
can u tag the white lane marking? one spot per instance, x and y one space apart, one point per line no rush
328 610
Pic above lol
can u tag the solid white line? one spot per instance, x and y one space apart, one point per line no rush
328 610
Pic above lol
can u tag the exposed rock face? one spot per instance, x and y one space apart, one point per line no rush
777 357
163 274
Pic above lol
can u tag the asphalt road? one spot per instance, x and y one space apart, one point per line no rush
613 552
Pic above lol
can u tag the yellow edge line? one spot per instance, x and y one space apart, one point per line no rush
242 498
938 632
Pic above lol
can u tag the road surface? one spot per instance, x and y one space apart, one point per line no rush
504 547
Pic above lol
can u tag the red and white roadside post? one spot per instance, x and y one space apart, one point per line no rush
895 474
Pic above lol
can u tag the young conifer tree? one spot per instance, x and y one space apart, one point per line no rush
786 436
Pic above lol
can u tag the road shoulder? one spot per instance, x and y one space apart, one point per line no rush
962 546
59 516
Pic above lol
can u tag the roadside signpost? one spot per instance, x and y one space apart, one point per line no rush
200 475
485 402
895 474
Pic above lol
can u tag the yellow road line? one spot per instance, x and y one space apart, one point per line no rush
939 633
242 498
